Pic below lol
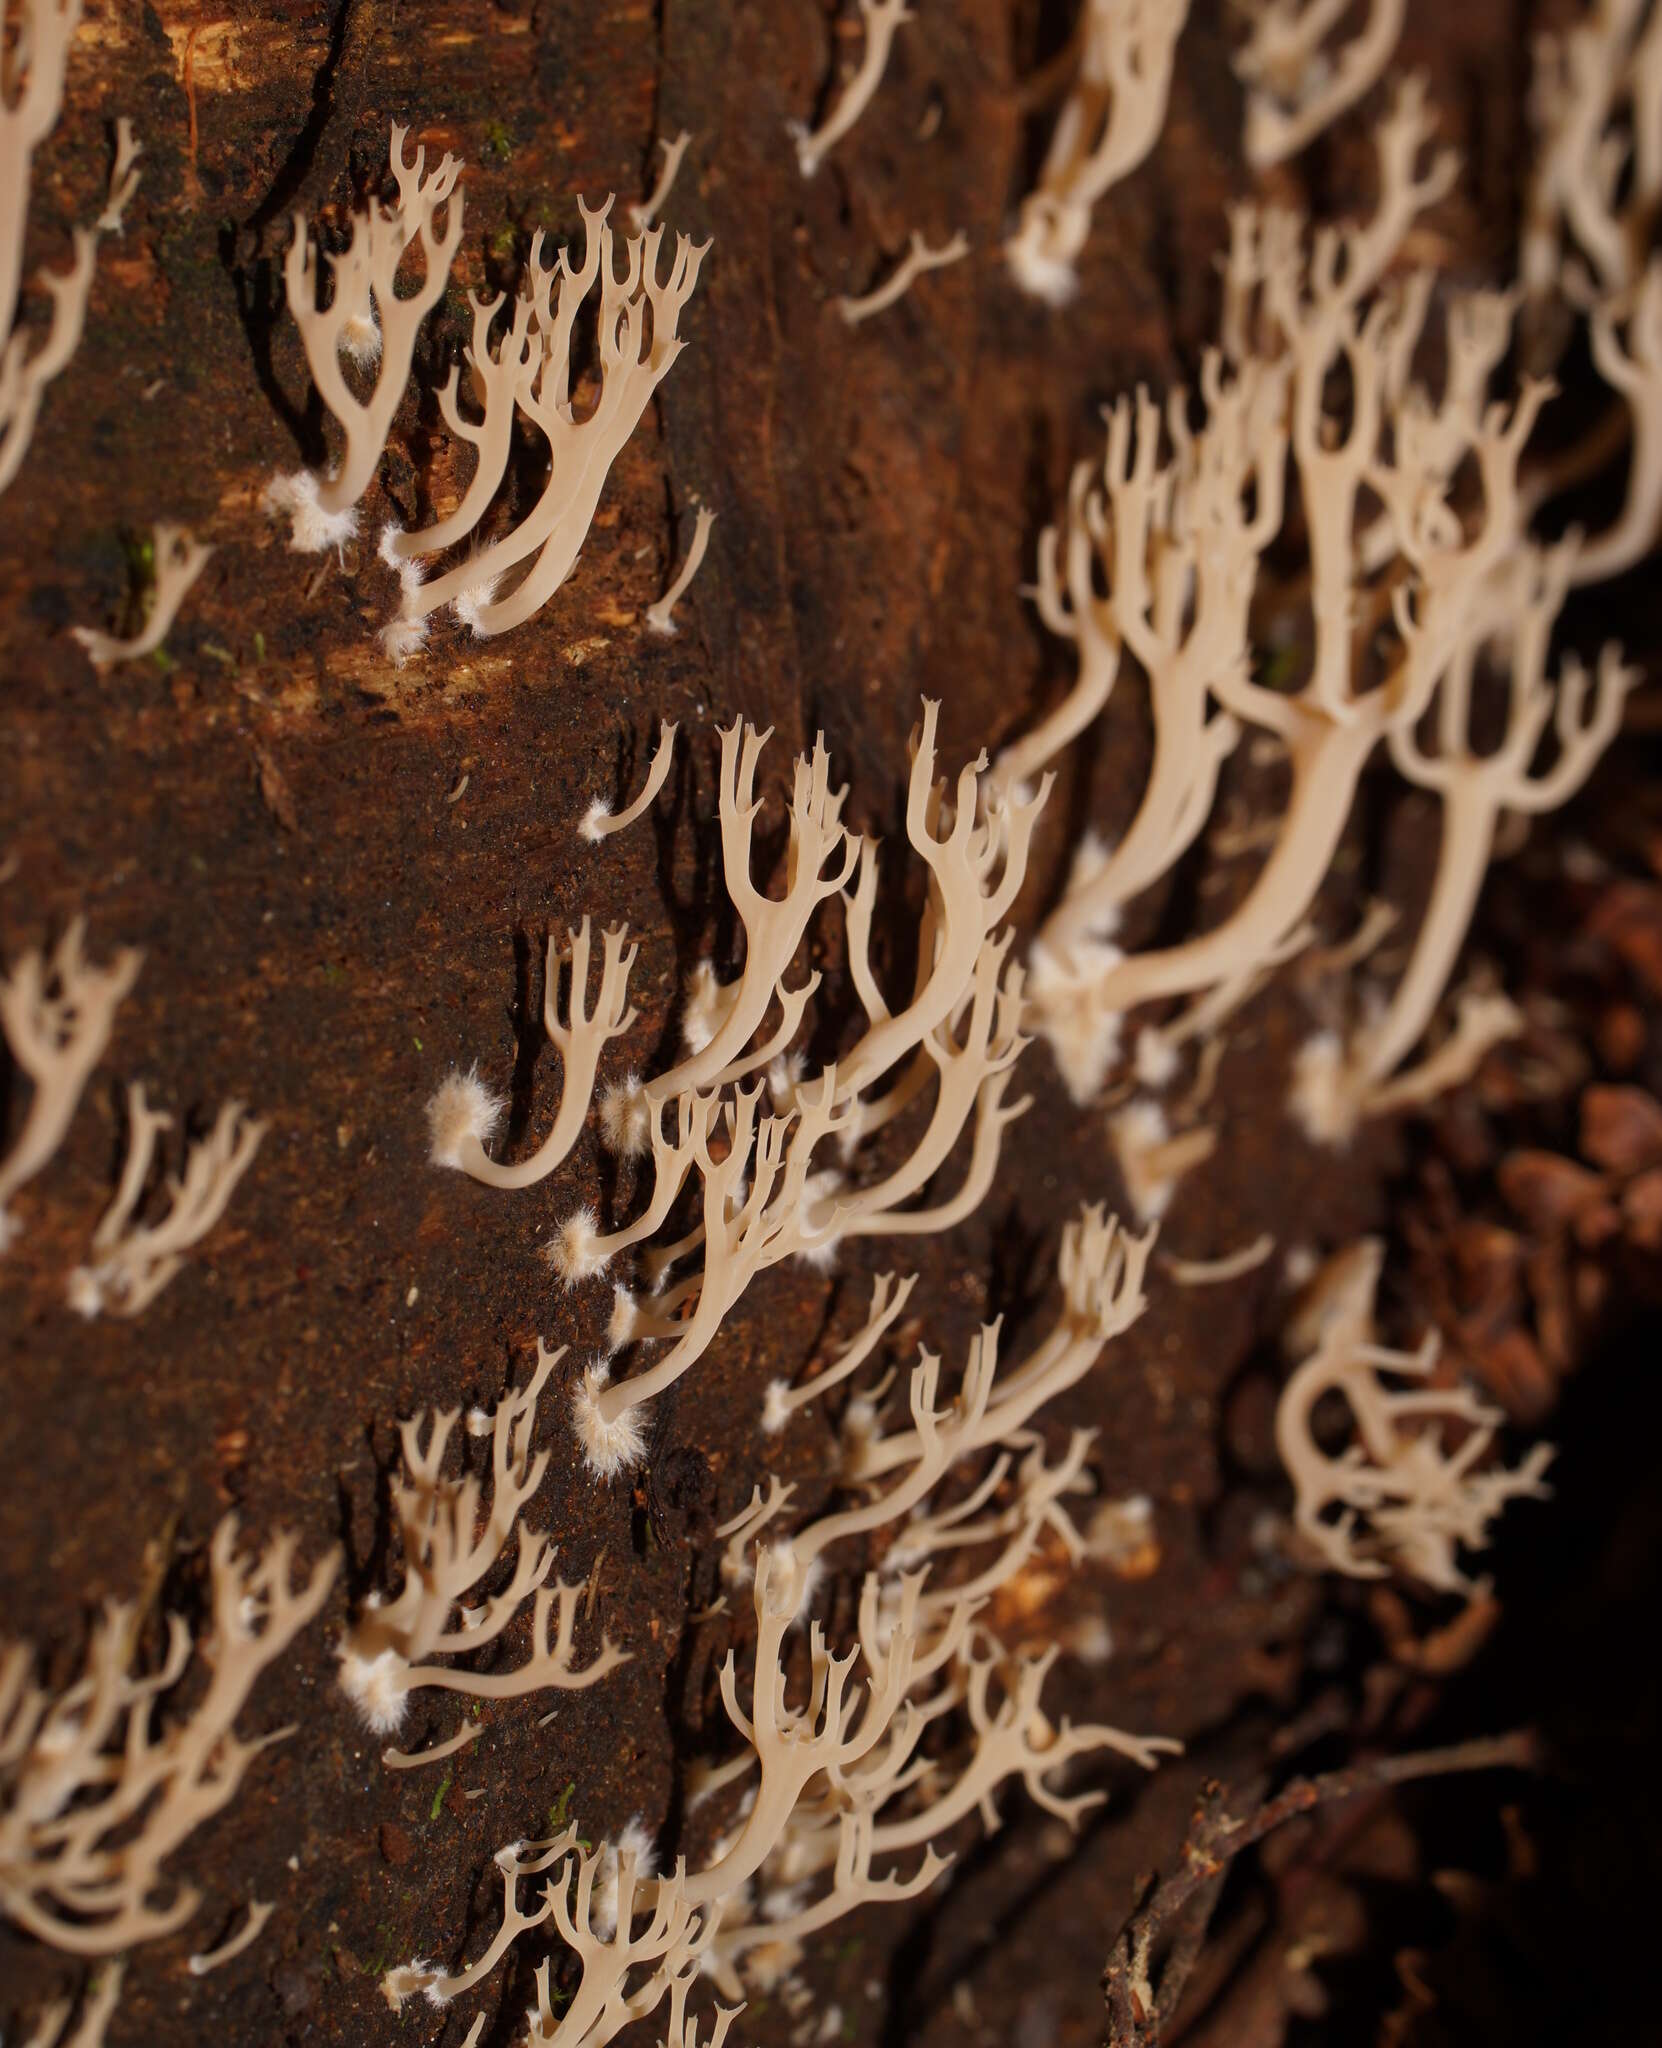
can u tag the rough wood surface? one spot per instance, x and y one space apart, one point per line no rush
272 814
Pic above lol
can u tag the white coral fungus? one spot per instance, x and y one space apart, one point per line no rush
134 1261
387 1655
367 321
179 560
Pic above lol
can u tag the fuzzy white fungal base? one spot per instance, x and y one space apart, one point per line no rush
1156 1058
1090 1639
706 1006
311 527
377 1687
802 1581
1042 276
1090 857
415 1979
603 1906
776 1407
360 339
471 602
1121 1531
819 1211
626 1119
402 637
784 1078
1138 1133
1084 1039
608 1447
572 1251
1320 1100
85 1292
461 1107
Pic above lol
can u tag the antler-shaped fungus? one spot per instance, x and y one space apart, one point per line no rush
137 1260
93 1801
179 559
367 321
463 1113
1396 1497
1333 1089
881 18
57 1013
637 345
384 1656
1296 88
31 97
1111 121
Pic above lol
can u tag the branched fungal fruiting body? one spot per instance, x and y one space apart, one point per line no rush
842 1807
881 19
660 617
918 260
385 1658
179 560
133 1261
56 1014
599 822
1295 86
36 41
637 345
93 1800
1178 543
463 1113
367 321
1111 121
1417 1487
644 212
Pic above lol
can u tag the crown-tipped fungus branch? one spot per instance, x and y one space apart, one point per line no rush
1101 1269
99 2004
367 321
134 1261
93 1801
882 18
463 1113
1111 121
1397 1497
839 1787
644 212
253 1926
494 375
637 346
1295 87
178 560
1391 448
124 179
31 97
766 1193
1634 370
919 259
599 822
1595 171
821 859
385 1656
887 1301
29 108
1334 1088
24 375
57 1014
